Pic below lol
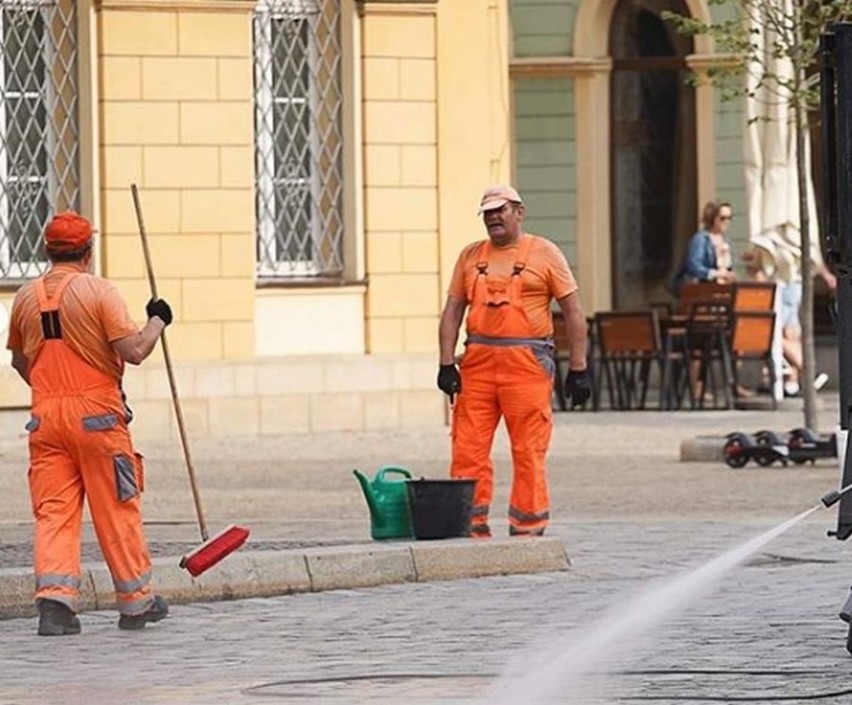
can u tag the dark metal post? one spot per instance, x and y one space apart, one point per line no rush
836 99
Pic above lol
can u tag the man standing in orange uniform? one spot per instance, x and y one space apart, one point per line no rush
70 335
508 281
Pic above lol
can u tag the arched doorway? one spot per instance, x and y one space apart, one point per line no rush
653 192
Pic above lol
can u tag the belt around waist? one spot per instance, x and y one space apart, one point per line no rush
544 343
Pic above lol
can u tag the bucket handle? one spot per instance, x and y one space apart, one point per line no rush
390 470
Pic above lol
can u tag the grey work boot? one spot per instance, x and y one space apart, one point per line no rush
56 619
157 611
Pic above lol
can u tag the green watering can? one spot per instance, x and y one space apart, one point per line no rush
387 497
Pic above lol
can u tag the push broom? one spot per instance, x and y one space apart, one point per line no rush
212 550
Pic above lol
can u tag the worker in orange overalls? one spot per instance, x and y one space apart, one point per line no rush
70 335
508 281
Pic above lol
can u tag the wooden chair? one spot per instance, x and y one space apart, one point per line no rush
760 296
707 347
704 293
751 340
662 310
562 357
754 296
629 343
674 387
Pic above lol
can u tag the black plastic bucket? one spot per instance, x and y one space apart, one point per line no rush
440 509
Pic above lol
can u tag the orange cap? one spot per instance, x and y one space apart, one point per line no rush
497 196
68 231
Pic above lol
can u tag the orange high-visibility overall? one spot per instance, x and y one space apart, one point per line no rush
505 371
80 446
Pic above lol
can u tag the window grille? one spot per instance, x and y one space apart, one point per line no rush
299 182
39 131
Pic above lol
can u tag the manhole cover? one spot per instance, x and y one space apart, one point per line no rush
445 689
664 686
773 560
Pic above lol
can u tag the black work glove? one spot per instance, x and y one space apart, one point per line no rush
449 380
578 387
160 309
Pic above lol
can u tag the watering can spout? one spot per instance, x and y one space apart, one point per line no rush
367 488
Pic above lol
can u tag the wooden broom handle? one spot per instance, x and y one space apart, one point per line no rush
196 497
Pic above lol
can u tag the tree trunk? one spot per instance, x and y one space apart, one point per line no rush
806 316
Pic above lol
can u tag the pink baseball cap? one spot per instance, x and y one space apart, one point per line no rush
497 196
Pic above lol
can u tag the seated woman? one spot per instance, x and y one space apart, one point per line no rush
708 255
708 258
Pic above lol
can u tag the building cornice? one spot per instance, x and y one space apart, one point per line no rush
177 5
583 65
559 66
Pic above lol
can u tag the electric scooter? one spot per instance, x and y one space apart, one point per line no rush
764 447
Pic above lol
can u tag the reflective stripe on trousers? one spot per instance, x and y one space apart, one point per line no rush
479 521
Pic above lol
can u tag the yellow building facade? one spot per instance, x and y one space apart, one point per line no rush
168 99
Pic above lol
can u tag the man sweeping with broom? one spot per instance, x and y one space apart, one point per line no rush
70 335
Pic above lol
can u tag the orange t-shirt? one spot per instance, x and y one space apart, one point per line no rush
92 314
546 276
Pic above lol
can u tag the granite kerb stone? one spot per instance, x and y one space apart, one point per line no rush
247 574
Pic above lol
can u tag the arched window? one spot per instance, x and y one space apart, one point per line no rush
654 180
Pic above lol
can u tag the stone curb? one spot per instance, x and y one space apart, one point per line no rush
702 449
266 573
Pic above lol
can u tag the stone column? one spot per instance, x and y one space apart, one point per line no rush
594 236
705 127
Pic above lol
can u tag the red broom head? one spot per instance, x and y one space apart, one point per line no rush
214 550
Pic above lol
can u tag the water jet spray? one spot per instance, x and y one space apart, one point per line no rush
580 655
584 654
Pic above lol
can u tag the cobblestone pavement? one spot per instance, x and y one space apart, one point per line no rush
629 512
770 628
